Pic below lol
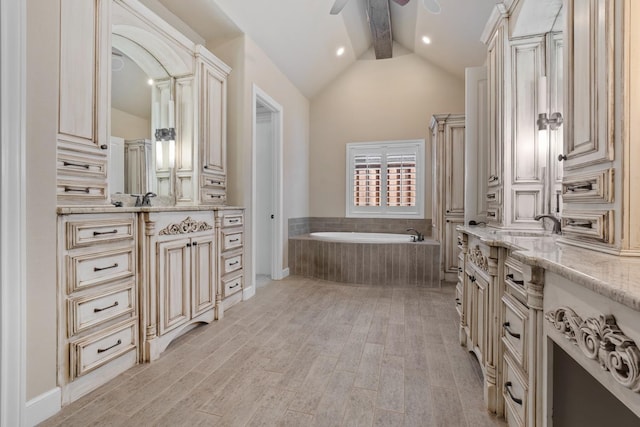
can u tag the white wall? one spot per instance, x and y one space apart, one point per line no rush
374 100
128 126
42 113
252 66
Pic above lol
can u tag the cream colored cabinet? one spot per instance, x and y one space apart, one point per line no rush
212 128
230 237
478 272
98 305
83 101
179 275
600 203
448 147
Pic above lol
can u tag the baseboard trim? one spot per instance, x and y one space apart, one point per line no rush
248 292
42 407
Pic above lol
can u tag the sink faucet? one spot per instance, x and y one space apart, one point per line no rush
145 199
419 237
556 222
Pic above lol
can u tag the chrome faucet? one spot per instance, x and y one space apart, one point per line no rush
557 227
145 199
419 237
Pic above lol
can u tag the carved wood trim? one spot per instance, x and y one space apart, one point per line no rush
476 257
601 339
188 225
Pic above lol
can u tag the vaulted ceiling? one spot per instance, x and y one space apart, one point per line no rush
301 37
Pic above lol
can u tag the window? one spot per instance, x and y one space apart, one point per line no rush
385 179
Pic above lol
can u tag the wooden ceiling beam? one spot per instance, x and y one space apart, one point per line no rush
380 24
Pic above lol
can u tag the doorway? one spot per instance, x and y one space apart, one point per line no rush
267 221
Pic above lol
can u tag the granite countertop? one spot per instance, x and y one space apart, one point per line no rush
66 210
615 277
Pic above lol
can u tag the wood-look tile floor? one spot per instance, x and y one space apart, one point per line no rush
304 352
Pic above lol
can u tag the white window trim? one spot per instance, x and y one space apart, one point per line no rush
370 212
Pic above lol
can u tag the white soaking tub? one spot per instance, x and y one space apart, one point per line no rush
356 237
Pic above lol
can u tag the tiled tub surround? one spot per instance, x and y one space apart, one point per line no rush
306 225
391 264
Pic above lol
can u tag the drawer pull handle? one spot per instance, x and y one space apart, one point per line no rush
582 187
517 282
77 165
491 196
102 350
506 327
233 221
105 268
587 224
212 182
234 240
76 190
493 178
491 214
234 263
507 388
100 233
234 286
215 196
98 310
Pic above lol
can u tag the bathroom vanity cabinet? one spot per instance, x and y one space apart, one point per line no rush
132 279
98 299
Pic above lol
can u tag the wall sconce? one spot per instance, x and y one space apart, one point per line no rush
552 123
544 122
166 138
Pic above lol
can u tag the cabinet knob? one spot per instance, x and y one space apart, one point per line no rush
562 157
493 178
188 245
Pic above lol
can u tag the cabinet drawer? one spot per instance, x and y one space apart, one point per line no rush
459 298
231 286
213 196
515 392
494 214
87 233
494 196
514 330
232 220
86 166
595 187
232 263
98 349
514 279
588 225
231 240
92 310
212 181
84 271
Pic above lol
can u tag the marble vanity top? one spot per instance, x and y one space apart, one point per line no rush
614 277
67 210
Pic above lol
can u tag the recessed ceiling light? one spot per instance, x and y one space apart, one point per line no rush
340 51
150 82
426 40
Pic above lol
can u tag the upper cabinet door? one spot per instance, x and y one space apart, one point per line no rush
83 84
588 125
495 70
454 134
213 119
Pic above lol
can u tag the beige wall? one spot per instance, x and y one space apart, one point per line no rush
252 66
390 99
42 113
128 126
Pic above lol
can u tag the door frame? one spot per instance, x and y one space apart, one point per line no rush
12 211
258 95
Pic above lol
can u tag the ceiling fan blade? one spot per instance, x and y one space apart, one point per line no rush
401 2
338 5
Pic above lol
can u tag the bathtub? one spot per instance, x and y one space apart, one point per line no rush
357 237
366 258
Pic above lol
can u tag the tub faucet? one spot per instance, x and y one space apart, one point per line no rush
557 227
419 237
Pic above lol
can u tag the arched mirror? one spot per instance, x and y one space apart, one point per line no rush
138 82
